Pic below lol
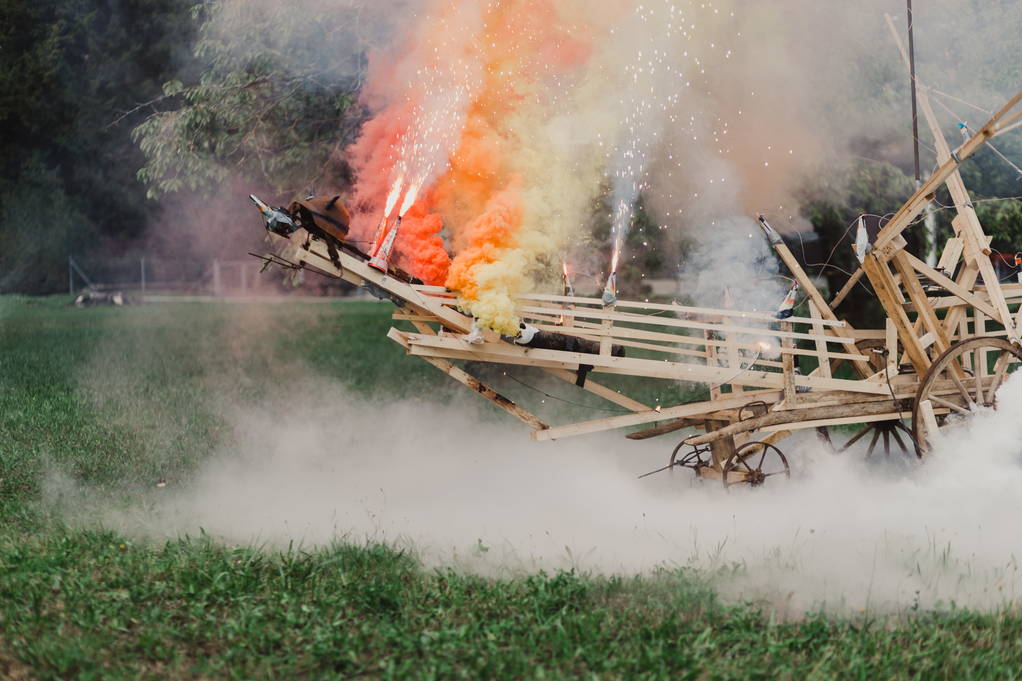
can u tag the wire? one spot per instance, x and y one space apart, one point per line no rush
561 399
960 101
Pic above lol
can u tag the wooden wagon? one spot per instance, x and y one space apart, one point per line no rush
950 339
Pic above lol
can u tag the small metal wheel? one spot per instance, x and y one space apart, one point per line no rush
753 463
698 457
960 382
885 431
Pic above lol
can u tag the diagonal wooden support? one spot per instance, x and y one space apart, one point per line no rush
862 367
887 291
477 386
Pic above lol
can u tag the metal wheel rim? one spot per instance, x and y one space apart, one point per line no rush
943 363
740 458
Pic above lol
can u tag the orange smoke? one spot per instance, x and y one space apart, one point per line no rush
517 52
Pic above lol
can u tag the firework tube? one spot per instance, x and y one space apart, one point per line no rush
771 234
381 259
610 290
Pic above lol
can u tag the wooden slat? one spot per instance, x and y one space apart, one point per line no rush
821 346
918 297
672 307
627 420
477 386
649 320
883 283
787 418
505 353
951 285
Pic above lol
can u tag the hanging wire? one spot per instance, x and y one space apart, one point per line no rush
561 399
935 91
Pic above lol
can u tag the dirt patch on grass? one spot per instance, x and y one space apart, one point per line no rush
12 668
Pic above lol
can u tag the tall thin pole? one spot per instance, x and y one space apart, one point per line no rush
915 109
930 220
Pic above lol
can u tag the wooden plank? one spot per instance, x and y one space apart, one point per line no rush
506 353
785 418
649 320
918 297
951 285
790 395
891 343
478 387
950 256
807 285
734 360
883 283
700 341
680 411
711 360
821 346
844 421
673 307
722 448
933 435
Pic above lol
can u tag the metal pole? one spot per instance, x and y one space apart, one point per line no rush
930 222
70 277
915 106
142 267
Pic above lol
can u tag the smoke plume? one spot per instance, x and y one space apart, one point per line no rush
841 534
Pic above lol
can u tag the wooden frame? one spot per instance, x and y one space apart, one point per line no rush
746 360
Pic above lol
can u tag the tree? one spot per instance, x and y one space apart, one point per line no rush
275 99
71 76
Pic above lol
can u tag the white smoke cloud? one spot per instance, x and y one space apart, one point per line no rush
840 534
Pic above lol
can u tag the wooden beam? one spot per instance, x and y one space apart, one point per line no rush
778 418
842 333
883 283
821 345
715 313
478 387
506 353
807 285
680 411
918 297
951 285
790 394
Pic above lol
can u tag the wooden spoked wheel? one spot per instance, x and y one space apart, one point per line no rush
890 435
753 463
960 382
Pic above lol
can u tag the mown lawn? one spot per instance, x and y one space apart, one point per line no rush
121 398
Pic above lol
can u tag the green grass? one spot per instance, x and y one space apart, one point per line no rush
120 398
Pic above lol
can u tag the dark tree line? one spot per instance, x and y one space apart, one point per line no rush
73 75
107 106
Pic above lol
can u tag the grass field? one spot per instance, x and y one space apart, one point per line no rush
119 399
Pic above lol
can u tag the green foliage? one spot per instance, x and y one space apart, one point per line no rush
72 75
833 201
274 99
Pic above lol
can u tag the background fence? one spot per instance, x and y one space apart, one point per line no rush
155 275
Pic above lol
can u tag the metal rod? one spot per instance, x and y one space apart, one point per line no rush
915 109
